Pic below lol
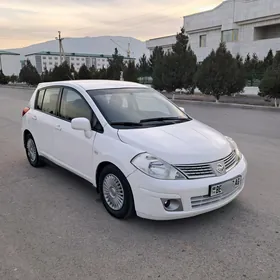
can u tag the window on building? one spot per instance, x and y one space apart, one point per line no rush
202 41
82 59
230 35
78 64
72 58
56 58
267 32
50 63
77 58
44 57
50 57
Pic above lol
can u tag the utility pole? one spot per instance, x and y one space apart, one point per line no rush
61 50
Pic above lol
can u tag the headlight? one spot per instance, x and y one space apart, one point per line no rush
156 168
234 146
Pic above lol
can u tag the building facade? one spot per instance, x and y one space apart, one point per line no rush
48 60
246 26
9 62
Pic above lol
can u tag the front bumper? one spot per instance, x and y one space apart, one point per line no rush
149 192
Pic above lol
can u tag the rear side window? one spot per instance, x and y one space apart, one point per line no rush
50 100
73 106
39 99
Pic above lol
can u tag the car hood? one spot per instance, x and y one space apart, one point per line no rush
183 143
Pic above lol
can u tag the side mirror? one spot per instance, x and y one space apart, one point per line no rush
182 109
82 124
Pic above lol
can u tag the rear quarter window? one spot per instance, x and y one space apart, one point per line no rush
50 100
39 99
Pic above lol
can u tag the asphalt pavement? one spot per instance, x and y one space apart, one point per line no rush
53 225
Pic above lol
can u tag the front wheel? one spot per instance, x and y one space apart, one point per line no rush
116 193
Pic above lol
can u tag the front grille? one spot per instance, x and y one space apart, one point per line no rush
197 171
231 160
206 170
204 200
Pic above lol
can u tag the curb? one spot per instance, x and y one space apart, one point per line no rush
18 87
228 105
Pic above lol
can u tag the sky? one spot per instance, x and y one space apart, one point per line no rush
25 22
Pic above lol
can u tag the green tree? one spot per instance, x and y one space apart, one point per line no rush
116 66
217 74
84 73
74 73
130 72
62 72
13 78
239 81
268 60
3 79
270 84
156 55
29 74
101 74
190 70
143 67
180 65
93 72
253 68
46 76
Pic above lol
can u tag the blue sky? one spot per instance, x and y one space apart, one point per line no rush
25 22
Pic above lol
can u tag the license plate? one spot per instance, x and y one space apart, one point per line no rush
225 187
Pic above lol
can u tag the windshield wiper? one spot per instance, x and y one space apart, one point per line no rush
126 123
164 119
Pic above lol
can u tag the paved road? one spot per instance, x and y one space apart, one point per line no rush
53 225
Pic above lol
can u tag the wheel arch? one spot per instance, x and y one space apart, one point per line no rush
99 169
25 134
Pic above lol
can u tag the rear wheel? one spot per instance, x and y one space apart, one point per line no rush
116 193
31 152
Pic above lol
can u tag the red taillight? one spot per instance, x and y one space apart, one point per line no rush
25 110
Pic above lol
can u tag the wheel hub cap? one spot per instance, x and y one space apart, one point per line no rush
31 150
113 192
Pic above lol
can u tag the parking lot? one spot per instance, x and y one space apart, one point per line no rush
53 225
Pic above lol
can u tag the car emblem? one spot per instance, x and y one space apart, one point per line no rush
220 168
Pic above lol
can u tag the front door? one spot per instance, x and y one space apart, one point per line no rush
72 149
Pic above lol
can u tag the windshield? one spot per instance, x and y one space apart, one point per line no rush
136 107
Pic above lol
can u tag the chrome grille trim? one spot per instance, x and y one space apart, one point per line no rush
204 200
206 170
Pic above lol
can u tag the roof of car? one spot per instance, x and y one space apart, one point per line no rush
93 84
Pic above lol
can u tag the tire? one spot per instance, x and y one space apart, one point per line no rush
31 152
115 188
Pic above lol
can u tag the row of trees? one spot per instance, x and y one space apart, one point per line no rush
219 74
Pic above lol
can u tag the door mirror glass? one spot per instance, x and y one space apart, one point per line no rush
182 109
81 124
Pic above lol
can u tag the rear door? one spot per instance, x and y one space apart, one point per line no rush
73 150
43 119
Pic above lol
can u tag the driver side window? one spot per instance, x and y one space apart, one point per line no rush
73 106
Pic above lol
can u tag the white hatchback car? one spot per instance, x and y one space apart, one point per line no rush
144 154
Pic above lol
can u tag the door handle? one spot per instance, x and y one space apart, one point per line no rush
34 118
58 127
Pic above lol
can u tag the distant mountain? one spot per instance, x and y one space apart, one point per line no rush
95 45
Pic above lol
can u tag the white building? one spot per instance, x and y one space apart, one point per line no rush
9 63
49 60
247 26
